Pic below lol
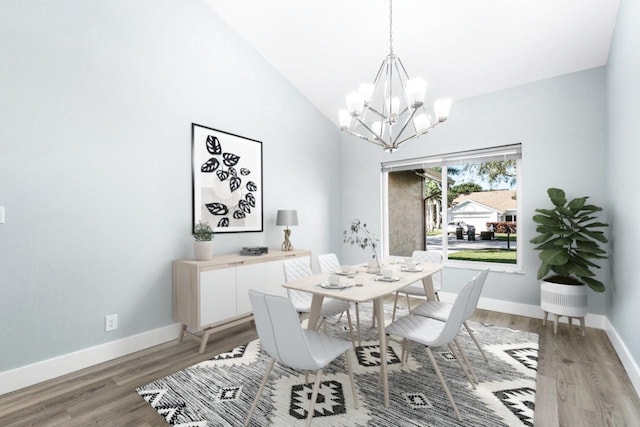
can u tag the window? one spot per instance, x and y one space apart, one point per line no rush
472 219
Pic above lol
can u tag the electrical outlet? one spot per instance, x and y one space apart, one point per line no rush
111 322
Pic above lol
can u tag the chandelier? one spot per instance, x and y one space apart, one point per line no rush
391 111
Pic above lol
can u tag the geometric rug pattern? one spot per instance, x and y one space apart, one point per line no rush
220 391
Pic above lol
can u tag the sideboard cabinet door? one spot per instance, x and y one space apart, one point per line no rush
217 295
251 276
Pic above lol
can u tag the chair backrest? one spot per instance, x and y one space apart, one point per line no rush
434 256
475 295
280 332
328 263
456 316
296 268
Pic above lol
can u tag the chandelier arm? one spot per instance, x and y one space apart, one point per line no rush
404 126
373 110
404 70
375 135
381 144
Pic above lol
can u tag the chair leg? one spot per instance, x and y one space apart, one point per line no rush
466 360
473 337
408 304
395 305
314 396
443 382
462 366
582 325
437 297
324 325
353 383
264 381
358 323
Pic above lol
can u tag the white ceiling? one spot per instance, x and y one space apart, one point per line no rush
463 48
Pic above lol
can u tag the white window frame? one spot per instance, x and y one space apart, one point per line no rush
507 152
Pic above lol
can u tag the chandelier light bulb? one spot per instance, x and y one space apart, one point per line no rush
344 117
442 107
421 122
415 90
366 90
355 103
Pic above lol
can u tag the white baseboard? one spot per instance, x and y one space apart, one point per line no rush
621 349
25 376
592 320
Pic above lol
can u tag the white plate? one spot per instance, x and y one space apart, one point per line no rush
330 286
408 270
382 279
350 274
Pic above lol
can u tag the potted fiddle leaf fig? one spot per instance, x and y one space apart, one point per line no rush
203 246
569 238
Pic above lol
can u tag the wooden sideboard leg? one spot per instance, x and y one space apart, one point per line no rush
183 331
204 339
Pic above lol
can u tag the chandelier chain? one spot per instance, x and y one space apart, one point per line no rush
390 27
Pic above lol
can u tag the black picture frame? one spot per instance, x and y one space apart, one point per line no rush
226 178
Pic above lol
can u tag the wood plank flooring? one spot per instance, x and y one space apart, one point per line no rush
581 382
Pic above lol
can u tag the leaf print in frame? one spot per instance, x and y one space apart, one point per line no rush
227 184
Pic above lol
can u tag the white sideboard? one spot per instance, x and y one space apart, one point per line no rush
214 294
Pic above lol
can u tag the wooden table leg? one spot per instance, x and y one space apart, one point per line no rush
314 314
427 282
382 339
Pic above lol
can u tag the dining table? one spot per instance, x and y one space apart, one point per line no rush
358 286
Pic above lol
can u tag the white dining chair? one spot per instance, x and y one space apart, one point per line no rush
329 263
434 333
297 269
416 289
286 342
442 310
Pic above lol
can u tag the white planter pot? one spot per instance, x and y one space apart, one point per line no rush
563 300
203 250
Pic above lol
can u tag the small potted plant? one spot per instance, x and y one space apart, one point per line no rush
570 237
361 236
203 246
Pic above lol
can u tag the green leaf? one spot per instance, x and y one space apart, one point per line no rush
565 211
594 284
544 220
543 270
554 256
541 238
598 235
577 204
557 196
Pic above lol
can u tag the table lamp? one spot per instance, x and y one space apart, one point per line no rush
287 218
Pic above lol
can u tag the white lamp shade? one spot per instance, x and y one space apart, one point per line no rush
355 103
376 127
393 107
421 122
415 89
366 90
442 107
344 118
287 217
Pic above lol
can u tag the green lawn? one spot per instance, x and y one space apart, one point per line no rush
503 237
505 256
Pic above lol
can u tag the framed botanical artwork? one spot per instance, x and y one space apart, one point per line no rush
226 180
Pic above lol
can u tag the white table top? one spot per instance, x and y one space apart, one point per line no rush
371 288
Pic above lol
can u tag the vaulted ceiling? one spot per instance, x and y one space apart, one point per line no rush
463 48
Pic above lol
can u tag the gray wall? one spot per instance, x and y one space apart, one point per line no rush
561 125
623 88
96 103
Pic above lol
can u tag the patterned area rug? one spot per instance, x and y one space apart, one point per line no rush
219 392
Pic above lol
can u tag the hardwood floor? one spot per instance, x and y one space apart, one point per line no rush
581 382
